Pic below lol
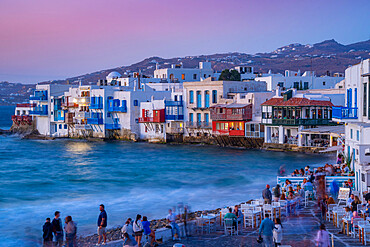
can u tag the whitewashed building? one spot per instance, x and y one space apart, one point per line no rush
294 79
177 73
356 116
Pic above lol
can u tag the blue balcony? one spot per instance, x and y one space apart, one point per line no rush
173 103
96 103
96 106
94 121
40 95
342 112
40 111
114 126
174 117
59 115
114 105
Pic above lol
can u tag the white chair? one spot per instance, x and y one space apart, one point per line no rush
223 212
256 203
200 225
329 213
248 218
267 209
229 227
355 227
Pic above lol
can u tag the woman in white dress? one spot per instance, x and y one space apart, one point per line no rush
278 232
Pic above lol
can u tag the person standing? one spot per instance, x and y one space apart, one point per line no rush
70 229
102 224
277 193
138 229
266 194
171 218
47 235
58 229
266 231
278 232
322 238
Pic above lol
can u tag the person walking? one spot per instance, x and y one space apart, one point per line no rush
266 231
171 219
138 229
58 229
322 238
70 229
47 235
148 231
266 194
278 232
102 224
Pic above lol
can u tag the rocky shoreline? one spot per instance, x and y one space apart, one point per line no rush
114 234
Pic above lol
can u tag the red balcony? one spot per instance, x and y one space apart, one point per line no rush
145 119
236 112
158 116
26 105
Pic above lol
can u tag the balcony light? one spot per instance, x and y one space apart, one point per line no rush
83 100
74 100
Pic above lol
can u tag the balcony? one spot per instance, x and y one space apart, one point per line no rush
178 130
114 126
39 96
175 117
94 120
82 115
199 125
39 111
145 119
96 106
173 103
69 105
59 116
82 127
341 112
117 109
297 122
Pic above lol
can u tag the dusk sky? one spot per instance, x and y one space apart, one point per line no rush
50 39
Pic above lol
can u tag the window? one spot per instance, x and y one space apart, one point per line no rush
191 118
206 117
358 135
296 85
65 126
323 83
305 85
214 96
191 97
281 84
183 76
351 133
175 97
194 76
199 117
364 100
205 76
108 114
206 98
136 102
60 126
199 99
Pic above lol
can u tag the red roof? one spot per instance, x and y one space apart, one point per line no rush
297 102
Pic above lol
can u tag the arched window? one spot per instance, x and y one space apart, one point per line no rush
214 96
206 98
191 97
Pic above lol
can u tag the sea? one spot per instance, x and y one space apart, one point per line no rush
38 177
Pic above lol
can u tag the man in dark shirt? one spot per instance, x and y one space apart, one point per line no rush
266 194
47 230
58 229
102 224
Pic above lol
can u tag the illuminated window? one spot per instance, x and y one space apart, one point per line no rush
183 76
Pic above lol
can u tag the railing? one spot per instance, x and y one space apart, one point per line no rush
82 127
300 121
341 112
96 106
178 130
26 105
70 104
41 111
174 117
252 134
198 125
173 103
117 109
145 119
94 121
114 126
328 180
82 114
225 116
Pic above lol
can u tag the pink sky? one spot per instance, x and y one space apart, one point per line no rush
43 40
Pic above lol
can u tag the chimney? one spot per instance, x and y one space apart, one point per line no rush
278 91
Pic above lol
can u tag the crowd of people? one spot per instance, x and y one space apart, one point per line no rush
132 232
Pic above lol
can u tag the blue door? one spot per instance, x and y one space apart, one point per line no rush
199 117
191 118
206 117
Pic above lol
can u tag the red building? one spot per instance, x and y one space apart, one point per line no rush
230 119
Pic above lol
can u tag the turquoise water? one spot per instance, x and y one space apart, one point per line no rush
74 177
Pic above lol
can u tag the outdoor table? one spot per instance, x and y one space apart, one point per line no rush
208 220
274 211
362 229
255 215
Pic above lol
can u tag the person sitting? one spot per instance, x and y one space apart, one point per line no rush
355 203
147 230
300 191
355 216
290 195
301 172
238 213
283 198
350 200
330 201
232 216
171 218
128 234
308 186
